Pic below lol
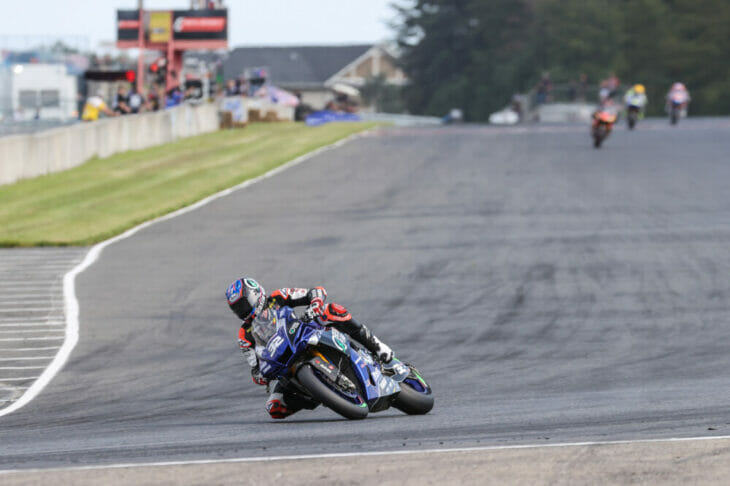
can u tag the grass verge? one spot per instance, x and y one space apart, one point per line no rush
104 197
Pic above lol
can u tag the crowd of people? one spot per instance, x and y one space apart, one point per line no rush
129 101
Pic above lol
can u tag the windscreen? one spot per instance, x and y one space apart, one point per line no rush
264 326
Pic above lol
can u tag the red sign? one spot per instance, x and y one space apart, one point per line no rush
199 24
128 24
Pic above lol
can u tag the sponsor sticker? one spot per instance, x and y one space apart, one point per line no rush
234 292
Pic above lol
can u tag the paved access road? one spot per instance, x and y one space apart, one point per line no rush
550 292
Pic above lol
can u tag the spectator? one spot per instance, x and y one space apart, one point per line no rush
544 88
153 98
135 101
94 105
120 102
231 88
174 97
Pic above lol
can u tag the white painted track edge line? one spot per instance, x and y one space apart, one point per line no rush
69 290
340 455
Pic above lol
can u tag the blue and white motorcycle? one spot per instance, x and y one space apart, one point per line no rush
323 365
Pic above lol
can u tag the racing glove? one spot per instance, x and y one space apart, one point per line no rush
257 377
253 362
314 311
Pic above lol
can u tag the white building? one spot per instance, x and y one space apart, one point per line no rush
44 91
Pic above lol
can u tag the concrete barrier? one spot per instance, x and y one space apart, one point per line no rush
31 155
565 112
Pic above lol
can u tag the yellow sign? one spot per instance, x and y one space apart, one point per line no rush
160 26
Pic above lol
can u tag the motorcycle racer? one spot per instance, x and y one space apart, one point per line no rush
678 94
636 96
247 298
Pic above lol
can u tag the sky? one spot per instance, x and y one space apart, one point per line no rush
251 23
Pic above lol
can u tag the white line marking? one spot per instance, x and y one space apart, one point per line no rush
47 325
23 378
22 331
47 338
21 298
21 368
69 289
26 308
49 320
340 455
26 358
28 283
29 349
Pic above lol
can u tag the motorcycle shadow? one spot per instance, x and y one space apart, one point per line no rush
370 418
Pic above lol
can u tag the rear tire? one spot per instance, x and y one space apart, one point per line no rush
329 398
413 402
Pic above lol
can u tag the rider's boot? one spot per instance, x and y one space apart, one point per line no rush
371 342
341 318
276 406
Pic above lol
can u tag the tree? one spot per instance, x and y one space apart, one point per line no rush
464 53
474 54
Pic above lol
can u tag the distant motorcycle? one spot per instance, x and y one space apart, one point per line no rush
634 105
677 106
635 100
602 124
632 116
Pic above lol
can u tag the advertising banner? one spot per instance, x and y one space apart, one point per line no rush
191 29
192 25
159 26
127 25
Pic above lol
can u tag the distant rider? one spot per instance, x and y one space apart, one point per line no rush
636 96
678 94
247 298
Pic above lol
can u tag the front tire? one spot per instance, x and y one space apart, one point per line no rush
330 398
412 402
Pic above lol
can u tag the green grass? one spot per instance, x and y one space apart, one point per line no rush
105 197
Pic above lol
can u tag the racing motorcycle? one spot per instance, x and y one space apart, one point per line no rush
322 365
632 116
602 124
677 106
634 105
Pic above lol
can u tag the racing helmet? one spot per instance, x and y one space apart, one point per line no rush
639 88
246 298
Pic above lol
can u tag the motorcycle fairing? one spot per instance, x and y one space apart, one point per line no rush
375 384
292 336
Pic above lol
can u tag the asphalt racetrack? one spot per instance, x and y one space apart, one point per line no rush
548 291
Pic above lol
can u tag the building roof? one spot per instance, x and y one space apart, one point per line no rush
293 64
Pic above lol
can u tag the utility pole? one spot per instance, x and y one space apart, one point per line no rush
140 58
